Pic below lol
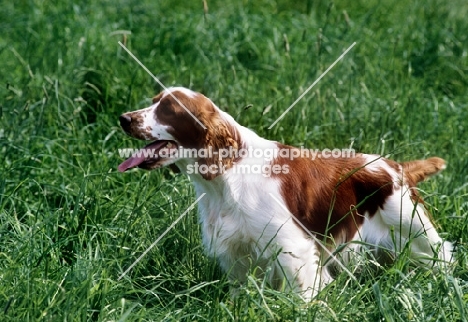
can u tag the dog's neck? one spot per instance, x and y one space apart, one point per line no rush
247 141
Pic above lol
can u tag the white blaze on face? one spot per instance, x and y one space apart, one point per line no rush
150 127
187 92
153 129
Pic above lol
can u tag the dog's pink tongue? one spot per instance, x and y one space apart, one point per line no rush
140 156
131 162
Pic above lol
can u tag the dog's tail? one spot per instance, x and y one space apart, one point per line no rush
415 172
418 170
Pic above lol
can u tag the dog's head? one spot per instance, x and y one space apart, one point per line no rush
179 118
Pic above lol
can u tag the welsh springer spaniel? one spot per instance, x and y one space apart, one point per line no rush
284 215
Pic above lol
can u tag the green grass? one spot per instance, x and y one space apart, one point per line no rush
70 224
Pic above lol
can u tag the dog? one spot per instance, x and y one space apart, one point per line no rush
272 207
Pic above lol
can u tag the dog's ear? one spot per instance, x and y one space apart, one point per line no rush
220 137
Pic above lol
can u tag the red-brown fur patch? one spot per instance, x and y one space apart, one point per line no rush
331 196
419 170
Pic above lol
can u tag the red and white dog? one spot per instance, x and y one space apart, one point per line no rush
269 206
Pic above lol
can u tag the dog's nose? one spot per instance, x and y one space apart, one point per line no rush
125 121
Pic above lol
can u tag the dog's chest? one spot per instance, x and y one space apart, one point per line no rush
240 216
227 229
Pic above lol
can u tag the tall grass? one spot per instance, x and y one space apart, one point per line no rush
70 224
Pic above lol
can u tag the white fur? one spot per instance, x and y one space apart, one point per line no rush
185 91
244 227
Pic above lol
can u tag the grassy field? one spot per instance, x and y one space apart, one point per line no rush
70 224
